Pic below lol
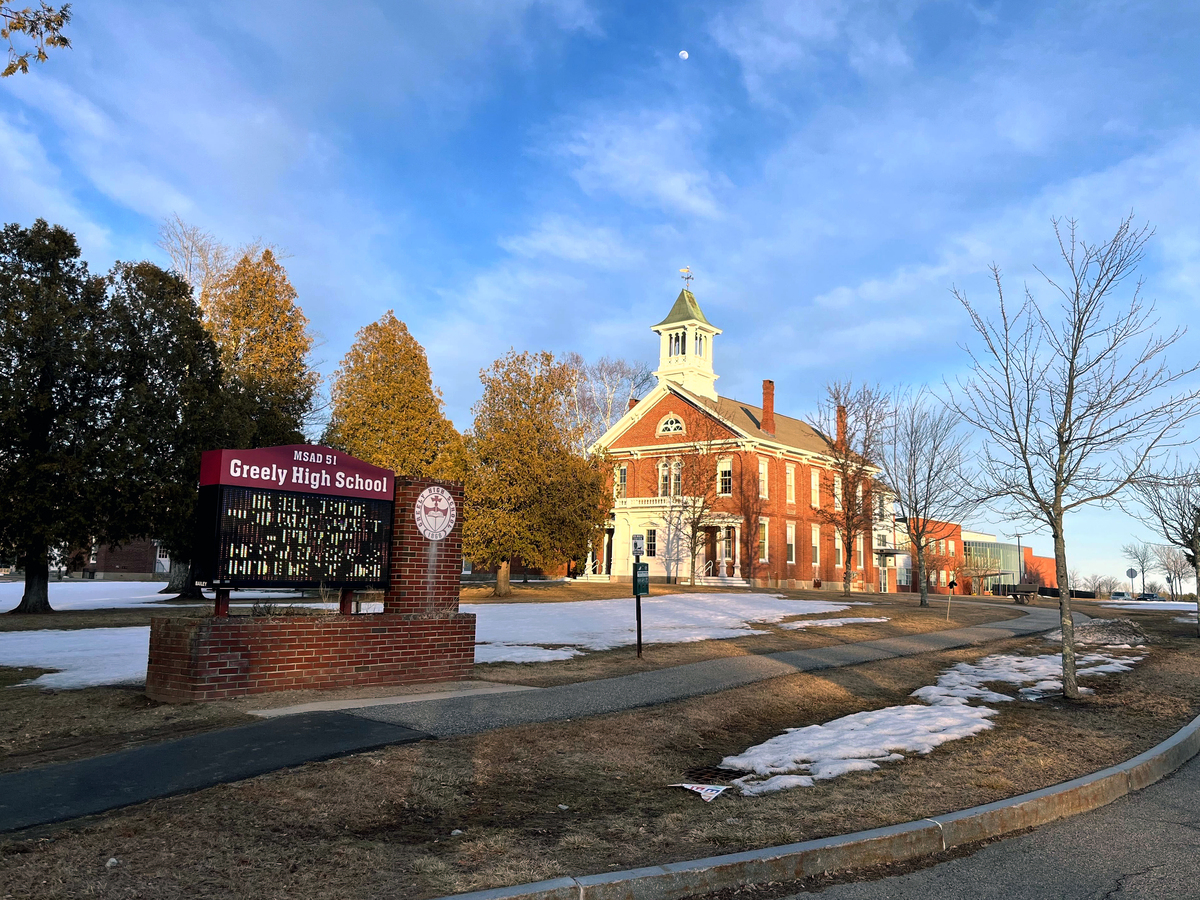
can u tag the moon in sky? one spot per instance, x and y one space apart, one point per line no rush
683 54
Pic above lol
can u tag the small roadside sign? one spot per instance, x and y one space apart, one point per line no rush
641 579
639 545
1131 573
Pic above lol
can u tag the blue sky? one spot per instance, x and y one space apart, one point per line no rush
534 173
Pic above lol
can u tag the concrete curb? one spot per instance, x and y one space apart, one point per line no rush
897 843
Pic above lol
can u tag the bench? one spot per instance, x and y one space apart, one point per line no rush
1023 593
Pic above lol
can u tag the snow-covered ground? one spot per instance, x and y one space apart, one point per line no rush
1144 605
505 632
830 623
1184 606
86 657
860 742
80 594
529 632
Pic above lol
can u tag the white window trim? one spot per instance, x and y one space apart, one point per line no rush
764 478
790 548
725 465
791 482
815 485
839 552
816 545
764 531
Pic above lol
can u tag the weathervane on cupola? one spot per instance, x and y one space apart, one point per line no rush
685 354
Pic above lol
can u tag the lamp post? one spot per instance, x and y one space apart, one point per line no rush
1020 562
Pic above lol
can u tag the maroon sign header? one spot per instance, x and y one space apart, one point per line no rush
303 468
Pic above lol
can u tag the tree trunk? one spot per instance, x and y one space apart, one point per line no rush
921 573
1196 556
184 587
1070 686
503 588
36 562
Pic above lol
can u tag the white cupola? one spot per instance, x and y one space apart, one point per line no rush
685 355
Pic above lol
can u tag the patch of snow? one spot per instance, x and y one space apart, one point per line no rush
829 623
521 653
862 741
85 657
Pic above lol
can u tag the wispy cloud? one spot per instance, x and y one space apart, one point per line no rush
648 157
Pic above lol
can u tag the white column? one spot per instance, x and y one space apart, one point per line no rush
737 551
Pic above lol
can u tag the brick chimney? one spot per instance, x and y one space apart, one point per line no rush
633 401
768 416
841 426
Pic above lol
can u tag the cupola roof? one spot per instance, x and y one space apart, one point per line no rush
686 309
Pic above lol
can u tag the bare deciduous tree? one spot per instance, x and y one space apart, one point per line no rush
196 255
1140 556
853 420
693 505
1172 563
1070 397
922 463
1172 504
602 393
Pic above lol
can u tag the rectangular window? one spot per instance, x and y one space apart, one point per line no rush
858 499
725 478
816 488
952 548
651 542
816 545
837 549
942 579
622 482
941 547
858 549
677 481
762 478
791 483
664 482
762 541
791 542
837 491
729 535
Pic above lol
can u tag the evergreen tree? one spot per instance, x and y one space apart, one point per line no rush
104 385
385 409
528 492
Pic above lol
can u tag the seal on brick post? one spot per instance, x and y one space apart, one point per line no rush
426 548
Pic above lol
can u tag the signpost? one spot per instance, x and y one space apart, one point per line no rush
953 585
641 583
299 516
1131 574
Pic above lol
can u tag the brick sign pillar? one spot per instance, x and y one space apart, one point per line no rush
426 548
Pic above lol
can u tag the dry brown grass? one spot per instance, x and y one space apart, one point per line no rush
379 824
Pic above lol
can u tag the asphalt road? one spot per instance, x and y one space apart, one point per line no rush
1146 845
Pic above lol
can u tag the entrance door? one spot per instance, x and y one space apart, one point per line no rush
608 552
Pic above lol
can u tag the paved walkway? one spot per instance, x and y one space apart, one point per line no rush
69 790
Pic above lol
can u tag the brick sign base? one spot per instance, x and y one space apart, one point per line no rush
419 637
212 659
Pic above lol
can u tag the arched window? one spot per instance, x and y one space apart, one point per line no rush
671 424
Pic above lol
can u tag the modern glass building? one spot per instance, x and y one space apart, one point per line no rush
989 560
